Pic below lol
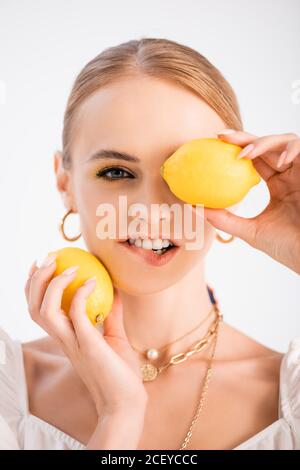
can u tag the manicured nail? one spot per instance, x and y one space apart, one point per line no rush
281 158
70 270
31 269
90 280
289 158
245 151
226 131
49 260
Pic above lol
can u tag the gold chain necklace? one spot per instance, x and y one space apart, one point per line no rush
204 390
150 371
153 353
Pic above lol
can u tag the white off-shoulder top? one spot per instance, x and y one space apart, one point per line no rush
20 430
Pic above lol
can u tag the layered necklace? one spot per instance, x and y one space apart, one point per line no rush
149 371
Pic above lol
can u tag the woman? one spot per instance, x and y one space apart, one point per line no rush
82 388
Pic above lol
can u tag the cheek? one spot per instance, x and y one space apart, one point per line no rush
198 231
89 199
193 256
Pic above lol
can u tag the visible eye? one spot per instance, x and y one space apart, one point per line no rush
113 173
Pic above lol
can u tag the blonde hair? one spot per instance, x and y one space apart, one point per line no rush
156 57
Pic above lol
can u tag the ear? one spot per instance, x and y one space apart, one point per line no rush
63 181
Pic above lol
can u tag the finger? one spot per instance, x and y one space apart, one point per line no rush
31 271
265 170
272 159
241 138
233 224
53 294
291 153
255 146
269 143
54 319
83 326
39 282
114 322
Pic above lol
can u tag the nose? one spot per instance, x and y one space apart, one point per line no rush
152 213
154 219
152 206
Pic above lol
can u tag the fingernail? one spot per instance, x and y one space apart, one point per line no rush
90 280
31 269
288 159
226 131
47 261
281 158
70 270
245 151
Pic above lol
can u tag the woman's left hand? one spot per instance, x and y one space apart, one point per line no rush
276 230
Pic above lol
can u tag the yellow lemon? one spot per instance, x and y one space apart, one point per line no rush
206 171
99 302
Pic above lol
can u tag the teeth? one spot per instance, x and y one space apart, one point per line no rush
148 244
166 243
158 244
138 242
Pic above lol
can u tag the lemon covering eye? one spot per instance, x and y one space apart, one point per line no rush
206 171
99 302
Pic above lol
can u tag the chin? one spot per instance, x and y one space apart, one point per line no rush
133 286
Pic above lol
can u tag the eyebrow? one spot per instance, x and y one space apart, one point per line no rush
106 154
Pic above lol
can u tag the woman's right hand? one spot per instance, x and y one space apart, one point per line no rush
106 363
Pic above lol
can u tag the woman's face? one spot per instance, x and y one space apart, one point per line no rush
148 118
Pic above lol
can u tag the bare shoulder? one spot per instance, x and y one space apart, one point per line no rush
46 345
43 359
50 381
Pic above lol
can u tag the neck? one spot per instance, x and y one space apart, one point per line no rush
152 321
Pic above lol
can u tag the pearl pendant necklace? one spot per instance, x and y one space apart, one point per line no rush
152 354
149 371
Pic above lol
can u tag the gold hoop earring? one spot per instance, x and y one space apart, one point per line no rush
224 240
62 228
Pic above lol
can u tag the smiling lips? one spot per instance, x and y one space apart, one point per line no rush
149 255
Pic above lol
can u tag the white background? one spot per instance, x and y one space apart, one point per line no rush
44 44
